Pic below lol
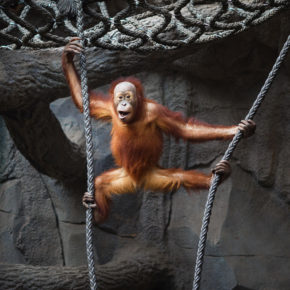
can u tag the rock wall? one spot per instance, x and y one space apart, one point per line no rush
42 220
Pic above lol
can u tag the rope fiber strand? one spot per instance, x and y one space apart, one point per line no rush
89 146
227 156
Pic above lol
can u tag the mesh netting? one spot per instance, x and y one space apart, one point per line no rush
138 25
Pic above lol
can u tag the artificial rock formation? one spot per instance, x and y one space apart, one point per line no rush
42 170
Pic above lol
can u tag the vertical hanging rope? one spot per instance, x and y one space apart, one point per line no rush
89 146
227 156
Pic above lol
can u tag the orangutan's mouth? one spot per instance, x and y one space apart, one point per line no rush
123 113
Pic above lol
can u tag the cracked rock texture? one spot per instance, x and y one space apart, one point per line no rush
42 221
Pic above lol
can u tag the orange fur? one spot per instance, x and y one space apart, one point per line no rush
137 146
170 122
171 179
114 181
100 106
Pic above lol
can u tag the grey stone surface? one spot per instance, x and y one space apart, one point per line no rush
29 231
42 220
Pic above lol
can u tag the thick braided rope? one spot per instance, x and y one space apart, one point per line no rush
89 147
227 156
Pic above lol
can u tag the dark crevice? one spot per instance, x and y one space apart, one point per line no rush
242 288
248 256
73 223
5 211
169 214
113 232
8 179
39 137
205 165
56 220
